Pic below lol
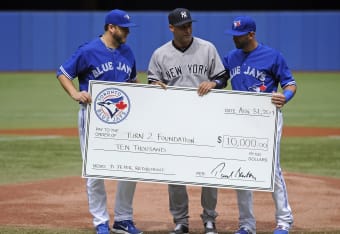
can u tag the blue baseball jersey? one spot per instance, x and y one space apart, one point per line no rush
94 61
261 70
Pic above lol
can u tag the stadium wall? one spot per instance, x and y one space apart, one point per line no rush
42 40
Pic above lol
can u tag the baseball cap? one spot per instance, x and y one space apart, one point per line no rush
119 18
180 16
242 25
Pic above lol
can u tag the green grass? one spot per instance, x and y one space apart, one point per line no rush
26 158
36 100
316 102
311 155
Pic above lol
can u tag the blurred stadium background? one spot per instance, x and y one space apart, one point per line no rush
39 36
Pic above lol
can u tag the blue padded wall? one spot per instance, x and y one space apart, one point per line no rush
41 41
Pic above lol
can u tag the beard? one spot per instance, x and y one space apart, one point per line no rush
119 38
241 44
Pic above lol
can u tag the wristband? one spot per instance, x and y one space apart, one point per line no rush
288 94
218 83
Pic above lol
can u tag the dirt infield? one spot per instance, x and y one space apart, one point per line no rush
63 203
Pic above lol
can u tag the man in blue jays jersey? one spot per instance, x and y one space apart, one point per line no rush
255 67
106 58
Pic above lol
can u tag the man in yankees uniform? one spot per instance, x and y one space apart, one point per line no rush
105 58
190 62
255 67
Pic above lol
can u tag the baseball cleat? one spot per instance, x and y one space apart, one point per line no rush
103 228
243 230
180 229
125 227
210 228
281 230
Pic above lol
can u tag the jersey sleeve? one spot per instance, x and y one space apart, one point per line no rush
154 69
133 75
73 66
215 62
282 72
217 71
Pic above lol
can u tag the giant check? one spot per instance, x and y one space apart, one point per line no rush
144 133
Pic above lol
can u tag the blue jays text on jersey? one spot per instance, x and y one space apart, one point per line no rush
261 70
108 66
251 71
93 60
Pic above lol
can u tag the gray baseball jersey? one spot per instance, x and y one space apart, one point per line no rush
189 68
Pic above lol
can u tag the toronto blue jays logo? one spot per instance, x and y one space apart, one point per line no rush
112 105
259 87
237 23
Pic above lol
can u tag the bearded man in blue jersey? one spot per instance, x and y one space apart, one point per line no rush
105 58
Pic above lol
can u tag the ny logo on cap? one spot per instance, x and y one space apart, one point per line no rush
184 14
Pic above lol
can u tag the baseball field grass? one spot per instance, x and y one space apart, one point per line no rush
36 100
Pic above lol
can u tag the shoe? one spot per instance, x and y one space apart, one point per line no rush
180 229
210 228
242 230
281 230
103 228
125 227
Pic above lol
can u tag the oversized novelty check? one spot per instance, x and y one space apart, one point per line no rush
140 132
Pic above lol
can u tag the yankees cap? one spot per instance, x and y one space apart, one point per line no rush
180 16
119 18
242 25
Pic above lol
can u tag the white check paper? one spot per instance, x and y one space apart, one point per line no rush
140 132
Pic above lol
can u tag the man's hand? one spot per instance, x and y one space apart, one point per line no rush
205 87
278 99
82 96
160 83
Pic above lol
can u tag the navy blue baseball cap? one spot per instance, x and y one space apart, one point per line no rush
179 16
242 25
119 18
